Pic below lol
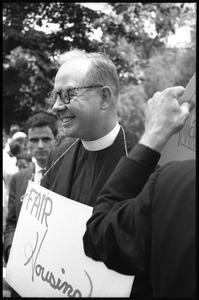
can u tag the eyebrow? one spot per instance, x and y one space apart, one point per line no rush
40 138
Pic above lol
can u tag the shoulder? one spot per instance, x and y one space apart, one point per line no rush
24 172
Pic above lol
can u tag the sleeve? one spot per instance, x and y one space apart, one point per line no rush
11 220
145 156
118 233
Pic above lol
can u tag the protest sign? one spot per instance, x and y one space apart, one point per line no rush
182 145
47 257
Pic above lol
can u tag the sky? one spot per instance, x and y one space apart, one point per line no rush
102 6
180 38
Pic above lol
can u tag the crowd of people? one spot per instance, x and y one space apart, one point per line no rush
143 221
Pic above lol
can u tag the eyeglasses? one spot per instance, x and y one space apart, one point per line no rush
65 95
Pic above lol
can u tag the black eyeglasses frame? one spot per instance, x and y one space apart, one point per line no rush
53 95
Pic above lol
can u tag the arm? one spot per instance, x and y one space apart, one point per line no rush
11 221
118 233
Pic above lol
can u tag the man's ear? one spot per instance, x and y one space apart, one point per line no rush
106 97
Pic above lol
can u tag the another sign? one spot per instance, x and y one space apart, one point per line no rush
182 146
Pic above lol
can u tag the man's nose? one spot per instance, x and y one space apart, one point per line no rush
40 143
59 105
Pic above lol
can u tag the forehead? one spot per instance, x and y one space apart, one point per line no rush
72 72
44 131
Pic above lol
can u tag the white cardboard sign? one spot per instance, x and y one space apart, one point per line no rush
47 257
182 145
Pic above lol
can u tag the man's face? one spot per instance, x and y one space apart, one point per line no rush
41 140
82 117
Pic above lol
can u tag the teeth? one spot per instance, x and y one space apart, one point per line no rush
67 119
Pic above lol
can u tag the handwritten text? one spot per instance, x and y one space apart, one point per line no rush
39 205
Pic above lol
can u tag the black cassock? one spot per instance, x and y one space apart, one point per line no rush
87 170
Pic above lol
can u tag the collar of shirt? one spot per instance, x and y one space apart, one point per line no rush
103 142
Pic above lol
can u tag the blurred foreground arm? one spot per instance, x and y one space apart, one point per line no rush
118 233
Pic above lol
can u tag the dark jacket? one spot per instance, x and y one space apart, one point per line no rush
152 234
18 185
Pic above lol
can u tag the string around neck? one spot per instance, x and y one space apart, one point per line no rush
125 147
125 143
60 157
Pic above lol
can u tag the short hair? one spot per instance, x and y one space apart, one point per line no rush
41 119
15 148
102 70
14 128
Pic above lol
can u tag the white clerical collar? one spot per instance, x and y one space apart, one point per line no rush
104 141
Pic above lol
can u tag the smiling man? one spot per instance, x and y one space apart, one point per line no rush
41 130
85 97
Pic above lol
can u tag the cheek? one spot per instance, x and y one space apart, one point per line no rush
86 120
88 113
31 148
50 146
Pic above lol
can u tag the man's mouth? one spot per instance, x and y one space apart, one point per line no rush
40 153
68 119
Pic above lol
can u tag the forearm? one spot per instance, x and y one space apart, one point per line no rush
114 238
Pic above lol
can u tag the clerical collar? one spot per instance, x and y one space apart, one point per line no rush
103 142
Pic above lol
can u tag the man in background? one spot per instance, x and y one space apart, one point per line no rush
41 130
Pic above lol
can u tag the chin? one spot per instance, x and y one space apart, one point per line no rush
41 158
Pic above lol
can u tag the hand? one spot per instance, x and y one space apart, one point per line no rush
164 116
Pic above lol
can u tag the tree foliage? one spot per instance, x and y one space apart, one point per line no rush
133 34
29 55
131 108
169 68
